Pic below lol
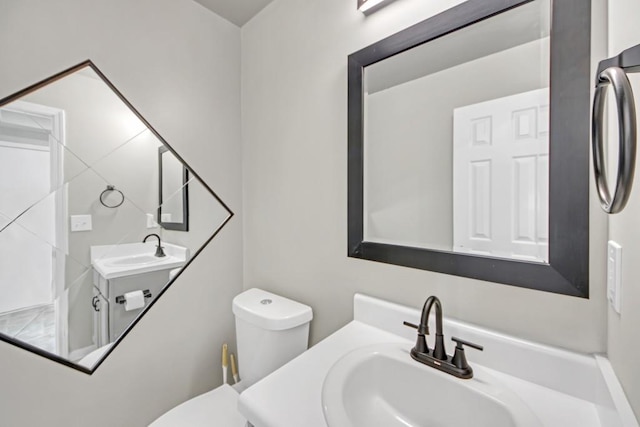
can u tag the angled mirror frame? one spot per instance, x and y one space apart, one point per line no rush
567 271
182 225
226 216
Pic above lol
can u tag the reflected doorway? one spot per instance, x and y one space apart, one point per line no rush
35 311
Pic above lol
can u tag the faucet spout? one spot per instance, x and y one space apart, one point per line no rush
159 248
426 311
439 351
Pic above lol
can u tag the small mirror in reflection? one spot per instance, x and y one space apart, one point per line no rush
173 210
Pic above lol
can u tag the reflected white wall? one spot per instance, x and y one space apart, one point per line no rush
409 142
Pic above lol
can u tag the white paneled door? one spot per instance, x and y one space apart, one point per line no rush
501 177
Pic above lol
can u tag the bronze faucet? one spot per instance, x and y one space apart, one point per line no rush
159 248
438 358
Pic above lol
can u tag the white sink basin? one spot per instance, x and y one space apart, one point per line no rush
357 376
127 259
383 386
134 260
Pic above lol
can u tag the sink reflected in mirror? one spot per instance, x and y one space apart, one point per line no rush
111 261
133 260
81 187
381 386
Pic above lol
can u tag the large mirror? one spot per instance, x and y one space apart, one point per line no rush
468 145
83 255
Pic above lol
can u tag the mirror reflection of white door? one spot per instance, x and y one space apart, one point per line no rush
31 144
500 176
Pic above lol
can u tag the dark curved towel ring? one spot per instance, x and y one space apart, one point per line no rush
109 189
613 71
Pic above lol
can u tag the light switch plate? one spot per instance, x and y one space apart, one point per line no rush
81 223
151 221
614 275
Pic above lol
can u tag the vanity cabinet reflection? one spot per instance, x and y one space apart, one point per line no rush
80 185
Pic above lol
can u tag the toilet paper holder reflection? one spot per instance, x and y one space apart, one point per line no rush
120 299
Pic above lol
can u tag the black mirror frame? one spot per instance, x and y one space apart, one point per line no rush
54 357
568 269
177 226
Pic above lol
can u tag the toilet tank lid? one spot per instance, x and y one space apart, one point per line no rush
270 311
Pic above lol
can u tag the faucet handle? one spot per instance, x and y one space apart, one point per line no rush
414 326
409 324
421 343
459 359
160 251
461 342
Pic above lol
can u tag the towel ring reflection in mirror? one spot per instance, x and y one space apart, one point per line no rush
111 189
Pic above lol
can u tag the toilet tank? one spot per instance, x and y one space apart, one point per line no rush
270 331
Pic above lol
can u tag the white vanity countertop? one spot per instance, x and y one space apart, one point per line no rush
571 394
299 383
112 261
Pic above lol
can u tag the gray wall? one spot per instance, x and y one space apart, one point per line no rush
180 66
624 228
294 115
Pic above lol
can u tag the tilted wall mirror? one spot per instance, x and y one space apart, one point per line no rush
82 257
468 145
173 181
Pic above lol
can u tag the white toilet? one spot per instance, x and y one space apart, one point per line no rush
270 331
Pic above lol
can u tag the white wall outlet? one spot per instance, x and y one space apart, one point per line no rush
614 275
151 221
81 223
